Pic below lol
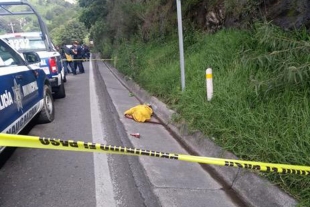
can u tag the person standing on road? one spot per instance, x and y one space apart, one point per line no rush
66 55
86 52
78 55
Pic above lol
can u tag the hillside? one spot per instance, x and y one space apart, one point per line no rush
55 13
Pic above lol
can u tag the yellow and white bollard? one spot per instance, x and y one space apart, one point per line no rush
209 84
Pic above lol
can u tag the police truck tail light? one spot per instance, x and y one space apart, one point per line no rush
53 65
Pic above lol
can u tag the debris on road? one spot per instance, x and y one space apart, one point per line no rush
137 135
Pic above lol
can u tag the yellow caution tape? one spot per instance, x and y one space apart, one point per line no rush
70 145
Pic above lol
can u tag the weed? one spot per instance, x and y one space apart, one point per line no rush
260 108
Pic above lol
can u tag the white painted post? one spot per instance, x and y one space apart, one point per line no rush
209 84
180 31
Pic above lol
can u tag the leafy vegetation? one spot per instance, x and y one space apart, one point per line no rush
60 16
260 108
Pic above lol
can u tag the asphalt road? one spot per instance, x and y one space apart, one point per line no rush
93 112
34 177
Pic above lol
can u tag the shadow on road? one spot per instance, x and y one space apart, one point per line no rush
8 151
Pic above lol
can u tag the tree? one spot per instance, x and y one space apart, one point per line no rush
95 10
72 30
49 15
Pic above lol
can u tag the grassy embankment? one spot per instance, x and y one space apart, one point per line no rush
260 108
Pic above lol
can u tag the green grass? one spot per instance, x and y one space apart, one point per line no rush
260 108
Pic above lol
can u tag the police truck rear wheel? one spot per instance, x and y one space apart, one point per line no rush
47 113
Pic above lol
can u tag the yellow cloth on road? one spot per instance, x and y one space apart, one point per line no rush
140 113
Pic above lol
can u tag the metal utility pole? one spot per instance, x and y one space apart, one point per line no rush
180 29
11 24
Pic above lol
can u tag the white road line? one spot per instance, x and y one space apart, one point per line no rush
104 187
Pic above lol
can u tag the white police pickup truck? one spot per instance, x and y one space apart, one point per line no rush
38 41
25 91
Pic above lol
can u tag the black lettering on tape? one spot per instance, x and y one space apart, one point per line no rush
165 155
256 167
73 144
103 147
129 150
157 154
137 151
288 171
293 171
92 146
44 141
174 157
274 169
86 145
116 149
145 152
229 164
247 166
239 165
57 142
54 142
64 143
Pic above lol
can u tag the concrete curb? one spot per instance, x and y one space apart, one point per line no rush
252 188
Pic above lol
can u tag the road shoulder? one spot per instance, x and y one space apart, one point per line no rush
251 187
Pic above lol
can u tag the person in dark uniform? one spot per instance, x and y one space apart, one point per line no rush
78 55
86 52
67 56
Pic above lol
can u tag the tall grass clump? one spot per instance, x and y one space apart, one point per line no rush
260 109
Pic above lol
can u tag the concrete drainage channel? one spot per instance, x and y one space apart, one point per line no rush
244 188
